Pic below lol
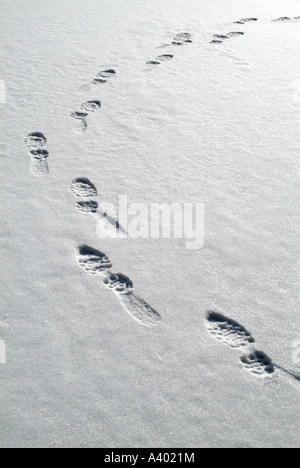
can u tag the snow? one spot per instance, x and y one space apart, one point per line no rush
217 124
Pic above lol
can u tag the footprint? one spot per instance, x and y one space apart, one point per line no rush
39 164
165 58
283 18
80 118
133 304
92 261
38 161
83 188
140 310
245 20
153 62
258 363
184 37
98 81
221 36
35 140
107 73
91 106
228 331
119 283
87 206
236 33
95 262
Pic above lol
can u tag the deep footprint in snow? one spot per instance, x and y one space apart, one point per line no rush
282 19
92 261
221 36
258 363
140 310
90 206
98 81
91 106
119 283
246 20
97 263
183 37
228 331
133 304
153 62
236 336
38 163
80 117
107 73
235 33
86 108
83 188
35 140
165 58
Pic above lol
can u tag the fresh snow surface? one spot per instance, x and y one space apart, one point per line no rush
183 348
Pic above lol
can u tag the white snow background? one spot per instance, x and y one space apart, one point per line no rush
218 124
